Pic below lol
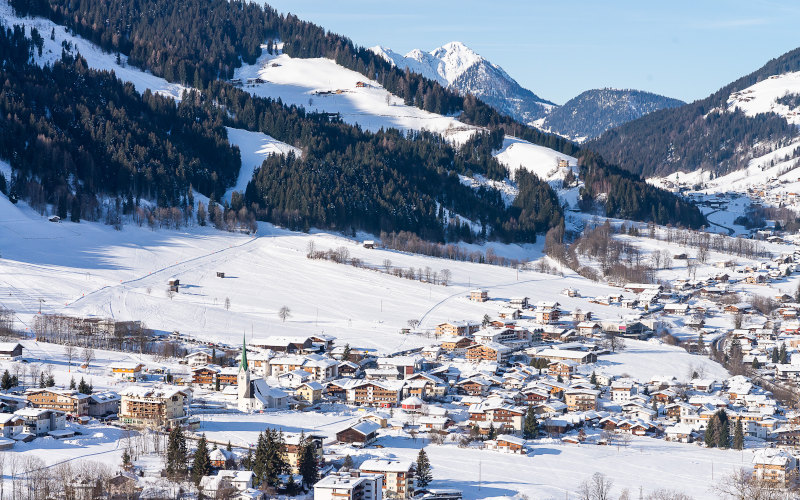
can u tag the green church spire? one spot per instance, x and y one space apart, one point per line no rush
243 364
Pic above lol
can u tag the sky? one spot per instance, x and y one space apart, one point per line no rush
557 49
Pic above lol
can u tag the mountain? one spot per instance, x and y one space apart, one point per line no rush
346 177
456 66
593 112
719 134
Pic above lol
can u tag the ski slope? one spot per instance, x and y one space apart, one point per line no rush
254 147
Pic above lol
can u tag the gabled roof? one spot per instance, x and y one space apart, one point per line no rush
365 427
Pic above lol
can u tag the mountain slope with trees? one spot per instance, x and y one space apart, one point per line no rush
593 112
417 172
704 134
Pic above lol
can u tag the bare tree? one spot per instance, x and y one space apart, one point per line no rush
614 342
387 264
284 312
228 303
744 485
70 352
170 293
87 355
665 494
412 323
597 487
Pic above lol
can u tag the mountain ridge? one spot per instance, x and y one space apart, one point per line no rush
456 66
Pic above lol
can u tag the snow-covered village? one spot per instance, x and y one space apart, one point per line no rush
245 257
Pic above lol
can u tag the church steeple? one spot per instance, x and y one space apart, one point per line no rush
243 363
243 381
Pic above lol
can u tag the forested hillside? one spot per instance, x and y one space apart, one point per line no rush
346 178
702 134
71 133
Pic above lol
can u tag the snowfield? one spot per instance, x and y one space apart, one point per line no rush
322 85
762 97
542 161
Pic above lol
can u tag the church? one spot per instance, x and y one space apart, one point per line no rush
255 395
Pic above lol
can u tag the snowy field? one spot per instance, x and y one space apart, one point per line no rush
555 470
763 96
322 85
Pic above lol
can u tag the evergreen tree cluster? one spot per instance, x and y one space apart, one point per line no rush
189 42
629 197
718 431
71 133
7 381
269 460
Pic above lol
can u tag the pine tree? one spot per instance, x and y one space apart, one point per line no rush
176 453
42 381
723 428
782 356
655 406
710 437
216 383
756 364
229 448
5 381
72 383
307 463
201 466
83 387
738 436
51 381
531 427
247 462
346 353
775 358
492 431
423 474
593 379
347 464
126 459
260 459
291 486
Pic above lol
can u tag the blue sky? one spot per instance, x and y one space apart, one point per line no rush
557 49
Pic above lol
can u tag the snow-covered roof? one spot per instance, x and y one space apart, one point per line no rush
385 465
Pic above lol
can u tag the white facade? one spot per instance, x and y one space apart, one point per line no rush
349 486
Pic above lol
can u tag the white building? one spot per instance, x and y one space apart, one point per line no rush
353 485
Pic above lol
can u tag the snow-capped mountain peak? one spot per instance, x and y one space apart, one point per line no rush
458 67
